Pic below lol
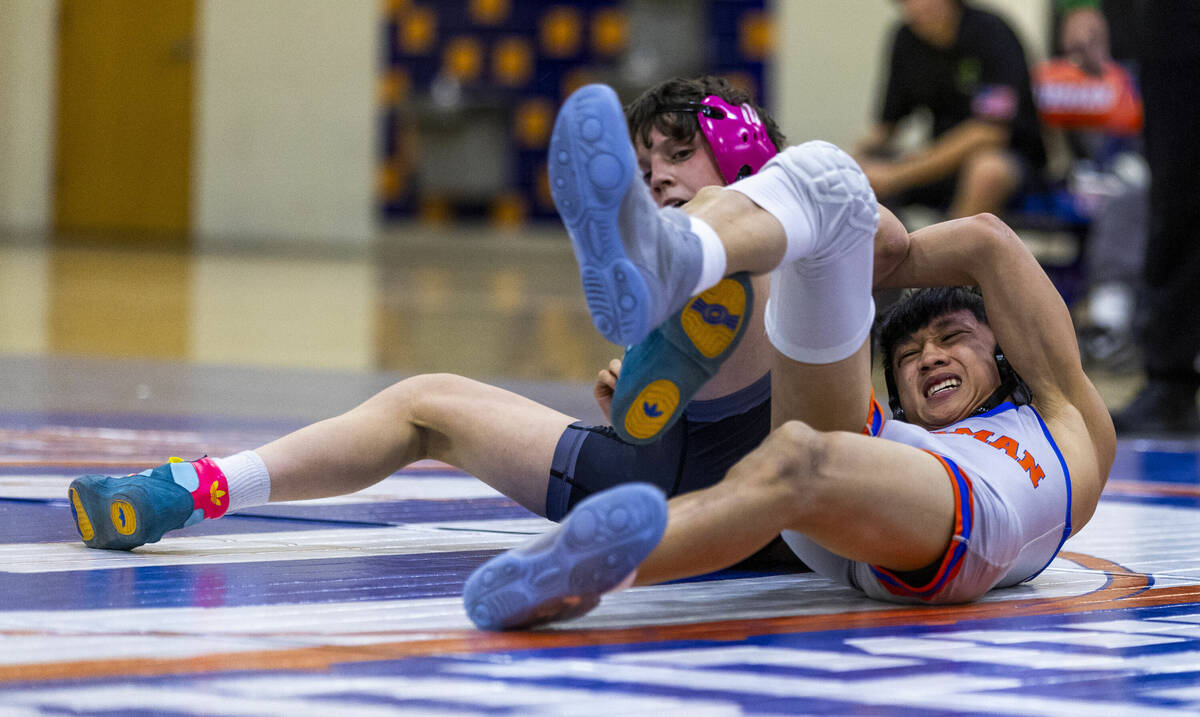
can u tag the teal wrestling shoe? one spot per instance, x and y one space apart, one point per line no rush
562 574
660 375
123 513
638 264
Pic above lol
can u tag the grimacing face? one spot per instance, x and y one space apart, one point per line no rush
945 369
674 170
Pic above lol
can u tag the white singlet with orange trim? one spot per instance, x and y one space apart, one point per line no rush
1012 495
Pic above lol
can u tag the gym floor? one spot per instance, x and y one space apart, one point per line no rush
112 359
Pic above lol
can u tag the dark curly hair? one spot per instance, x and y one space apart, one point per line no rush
645 113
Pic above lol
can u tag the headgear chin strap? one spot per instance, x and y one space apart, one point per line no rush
737 135
1011 386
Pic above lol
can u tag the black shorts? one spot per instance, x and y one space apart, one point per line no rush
693 454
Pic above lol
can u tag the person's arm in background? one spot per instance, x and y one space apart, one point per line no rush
875 143
1003 78
941 158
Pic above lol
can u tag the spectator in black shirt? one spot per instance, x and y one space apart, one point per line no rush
967 68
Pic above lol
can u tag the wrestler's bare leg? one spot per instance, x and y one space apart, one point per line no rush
854 495
860 497
504 439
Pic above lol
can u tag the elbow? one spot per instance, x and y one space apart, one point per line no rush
990 224
994 243
988 135
993 234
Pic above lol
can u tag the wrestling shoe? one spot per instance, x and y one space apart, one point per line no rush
562 574
639 265
123 513
660 375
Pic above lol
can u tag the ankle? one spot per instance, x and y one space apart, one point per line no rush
249 483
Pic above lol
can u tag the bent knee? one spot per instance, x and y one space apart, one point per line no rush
430 388
795 461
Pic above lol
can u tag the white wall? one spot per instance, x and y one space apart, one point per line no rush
25 296
284 118
285 132
28 57
830 55
302 312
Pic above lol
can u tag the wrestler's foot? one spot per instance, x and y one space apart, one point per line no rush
123 513
660 375
562 574
638 265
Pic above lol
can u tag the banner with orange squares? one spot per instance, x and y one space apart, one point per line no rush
459 64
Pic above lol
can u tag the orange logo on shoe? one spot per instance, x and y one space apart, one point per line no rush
124 519
215 494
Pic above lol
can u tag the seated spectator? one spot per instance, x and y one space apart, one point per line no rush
1092 110
967 68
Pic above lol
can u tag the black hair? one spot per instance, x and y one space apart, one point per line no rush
645 113
916 309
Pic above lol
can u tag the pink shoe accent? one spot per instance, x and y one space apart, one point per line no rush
212 496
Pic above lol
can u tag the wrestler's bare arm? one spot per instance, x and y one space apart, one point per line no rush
1025 311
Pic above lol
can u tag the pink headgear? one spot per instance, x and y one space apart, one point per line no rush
737 136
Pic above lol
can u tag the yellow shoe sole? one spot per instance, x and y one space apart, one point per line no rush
81 519
712 320
652 408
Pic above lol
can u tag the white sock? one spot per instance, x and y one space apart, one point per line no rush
712 265
249 482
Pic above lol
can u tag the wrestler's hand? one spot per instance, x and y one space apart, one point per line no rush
606 384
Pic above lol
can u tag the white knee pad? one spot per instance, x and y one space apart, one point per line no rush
821 311
815 190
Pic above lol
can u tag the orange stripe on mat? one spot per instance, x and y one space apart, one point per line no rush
1123 589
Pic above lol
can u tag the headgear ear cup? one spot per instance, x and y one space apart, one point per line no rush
737 136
